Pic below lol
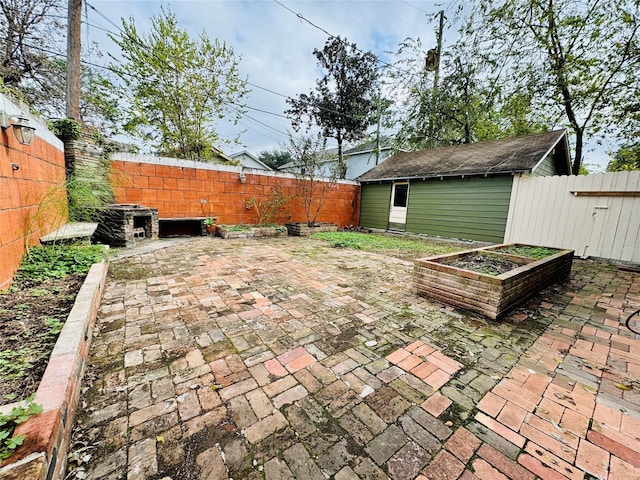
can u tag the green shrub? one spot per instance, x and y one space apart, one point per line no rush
57 261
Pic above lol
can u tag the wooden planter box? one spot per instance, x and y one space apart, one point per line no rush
489 295
252 232
304 230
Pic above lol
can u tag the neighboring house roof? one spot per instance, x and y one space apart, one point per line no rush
508 155
331 154
371 146
252 162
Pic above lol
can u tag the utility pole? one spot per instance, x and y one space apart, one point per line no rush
74 17
436 75
432 63
378 126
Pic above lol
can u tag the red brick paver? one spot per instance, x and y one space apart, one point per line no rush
280 359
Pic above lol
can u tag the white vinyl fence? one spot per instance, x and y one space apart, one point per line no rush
595 215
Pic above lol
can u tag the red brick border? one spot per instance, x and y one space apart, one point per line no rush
486 294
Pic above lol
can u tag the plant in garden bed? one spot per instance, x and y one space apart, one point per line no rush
57 261
529 251
9 421
238 227
313 187
269 210
33 311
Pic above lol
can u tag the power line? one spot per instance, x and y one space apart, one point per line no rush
304 19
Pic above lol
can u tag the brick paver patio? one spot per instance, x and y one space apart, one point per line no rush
285 359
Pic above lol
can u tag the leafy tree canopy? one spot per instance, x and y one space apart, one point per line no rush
33 67
29 29
578 59
345 100
176 87
626 158
464 107
275 158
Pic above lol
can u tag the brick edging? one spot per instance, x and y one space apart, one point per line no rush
44 452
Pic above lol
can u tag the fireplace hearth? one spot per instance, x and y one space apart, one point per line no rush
124 224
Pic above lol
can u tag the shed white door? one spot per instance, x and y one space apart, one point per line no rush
398 210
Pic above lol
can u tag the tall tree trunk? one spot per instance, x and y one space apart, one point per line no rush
342 166
577 159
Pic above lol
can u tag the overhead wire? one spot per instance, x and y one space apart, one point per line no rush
331 35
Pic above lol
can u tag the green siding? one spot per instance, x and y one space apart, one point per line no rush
547 168
375 199
472 208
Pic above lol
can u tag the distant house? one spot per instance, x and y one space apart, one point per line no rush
247 160
461 191
358 159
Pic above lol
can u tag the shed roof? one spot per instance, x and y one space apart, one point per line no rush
508 155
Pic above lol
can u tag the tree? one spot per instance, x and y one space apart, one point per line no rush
274 158
28 29
33 65
31 36
579 58
465 107
625 159
175 87
309 154
345 99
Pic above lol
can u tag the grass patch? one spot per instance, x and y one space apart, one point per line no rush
405 247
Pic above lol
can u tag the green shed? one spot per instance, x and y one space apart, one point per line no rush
461 191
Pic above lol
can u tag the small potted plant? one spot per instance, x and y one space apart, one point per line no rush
210 225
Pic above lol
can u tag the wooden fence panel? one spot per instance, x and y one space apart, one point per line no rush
595 215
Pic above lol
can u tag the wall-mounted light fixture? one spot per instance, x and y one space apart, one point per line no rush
21 128
243 178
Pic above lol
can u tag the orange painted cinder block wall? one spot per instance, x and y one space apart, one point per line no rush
33 200
187 189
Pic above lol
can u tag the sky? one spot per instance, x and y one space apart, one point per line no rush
275 42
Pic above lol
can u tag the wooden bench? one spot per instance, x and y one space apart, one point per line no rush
71 232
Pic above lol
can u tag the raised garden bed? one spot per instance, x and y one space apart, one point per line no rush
304 230
489 280
248 231
44 451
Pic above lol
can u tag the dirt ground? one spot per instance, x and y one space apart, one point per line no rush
485 264
31 315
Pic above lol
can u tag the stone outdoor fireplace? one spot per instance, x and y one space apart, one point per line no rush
123 224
